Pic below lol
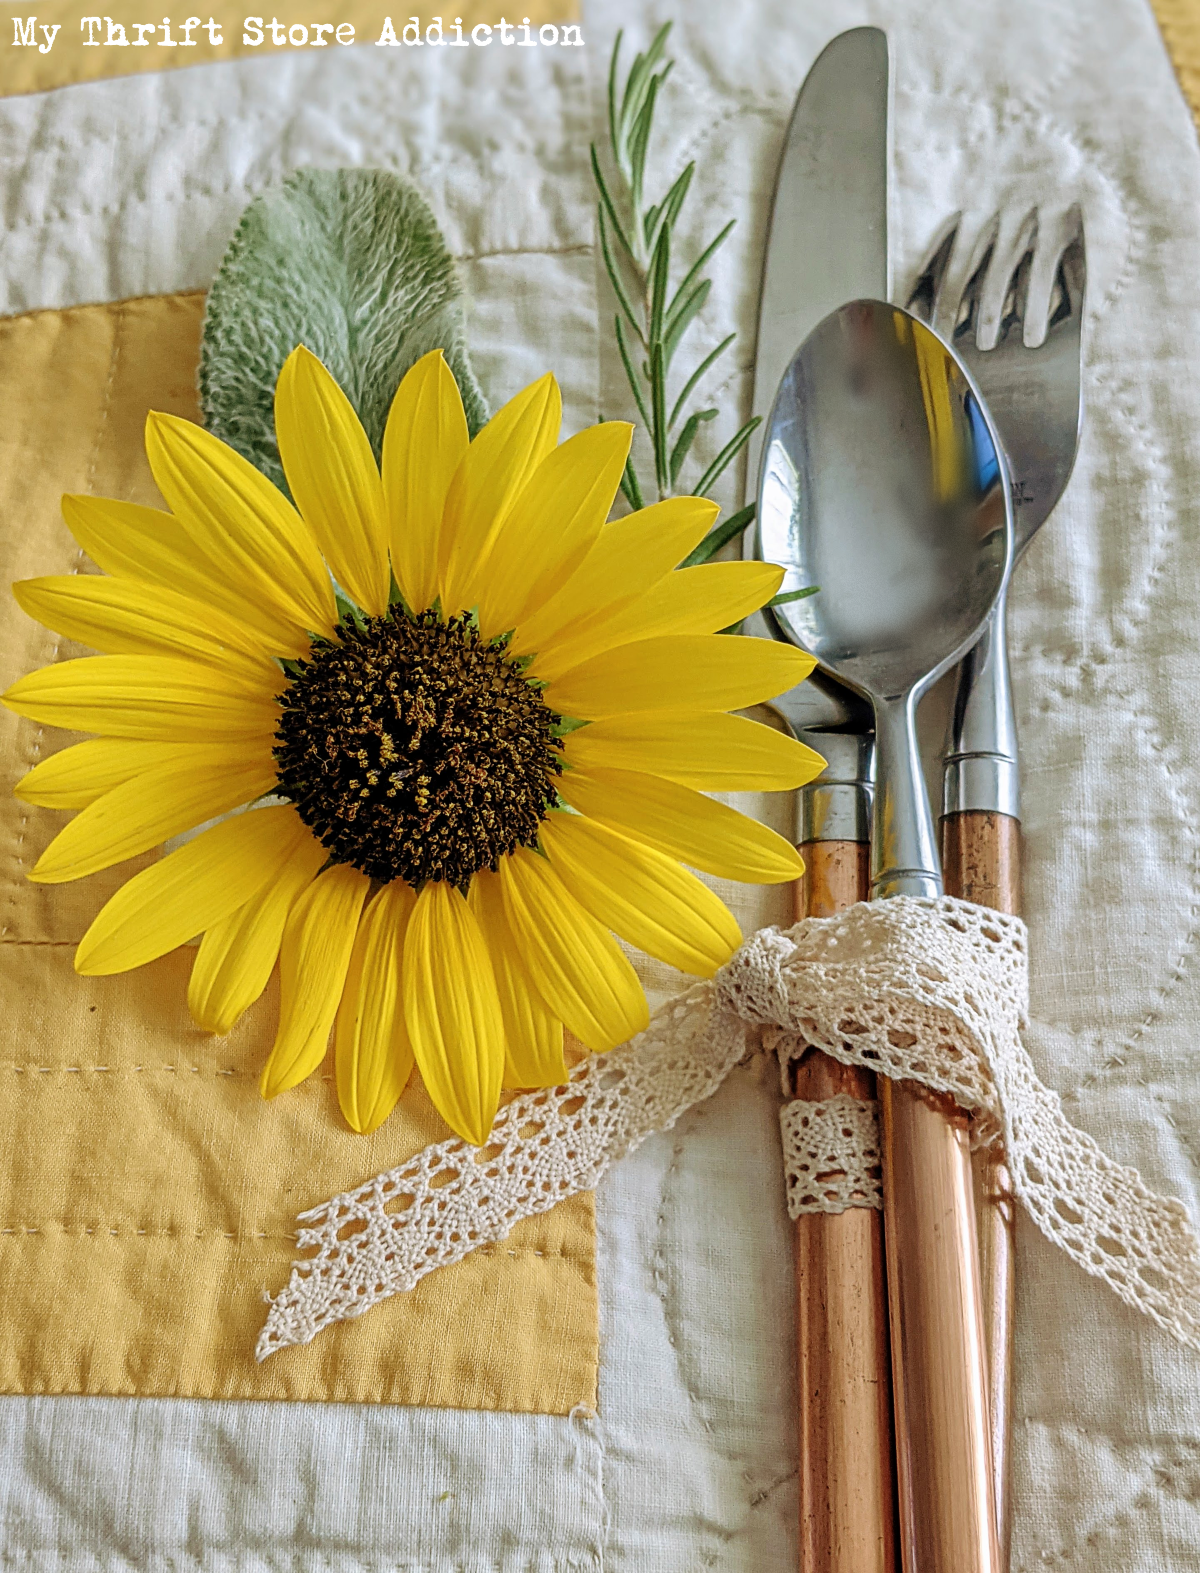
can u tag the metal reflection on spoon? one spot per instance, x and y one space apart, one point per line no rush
882 482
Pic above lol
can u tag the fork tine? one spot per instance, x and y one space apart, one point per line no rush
1070 277
1016 295
966 323
927 287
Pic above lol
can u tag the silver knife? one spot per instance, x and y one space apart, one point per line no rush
827 243
827 237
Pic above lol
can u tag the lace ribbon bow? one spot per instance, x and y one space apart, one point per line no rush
934 991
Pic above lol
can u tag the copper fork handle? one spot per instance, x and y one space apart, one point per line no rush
981 861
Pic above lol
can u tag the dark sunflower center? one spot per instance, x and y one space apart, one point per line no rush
414 750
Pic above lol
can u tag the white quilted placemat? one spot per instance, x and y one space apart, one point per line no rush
130 187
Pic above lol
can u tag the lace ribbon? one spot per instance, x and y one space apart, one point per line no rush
930 991
831 1157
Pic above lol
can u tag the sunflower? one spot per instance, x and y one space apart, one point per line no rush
448 731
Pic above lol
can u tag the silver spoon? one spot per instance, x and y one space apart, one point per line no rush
883 483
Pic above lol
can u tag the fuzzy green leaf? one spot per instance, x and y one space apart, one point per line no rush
350 263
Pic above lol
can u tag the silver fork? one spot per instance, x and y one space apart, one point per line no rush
1034 398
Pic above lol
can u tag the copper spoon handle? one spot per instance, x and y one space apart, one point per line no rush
935 1315
981 861
847 1491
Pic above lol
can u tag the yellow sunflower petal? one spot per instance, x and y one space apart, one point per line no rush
155 698
147 546
157 803
699 600
629 555
708 750
246 528
552 525
144 545
533 1035
581 971
123 618
425 440
494 471
682 822
238 953
331 470
372 1052
314 956
190 890
453 1011
708 671
77 776
641 894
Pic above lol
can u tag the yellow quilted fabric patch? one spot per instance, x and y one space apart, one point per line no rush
147 1194
1180 24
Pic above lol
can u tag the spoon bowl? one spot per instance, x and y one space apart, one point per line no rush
883 483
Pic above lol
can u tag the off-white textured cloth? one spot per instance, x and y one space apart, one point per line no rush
120 188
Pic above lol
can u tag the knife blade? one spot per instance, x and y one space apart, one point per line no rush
826 243
827 235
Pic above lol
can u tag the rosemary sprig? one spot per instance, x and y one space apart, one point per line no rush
637 244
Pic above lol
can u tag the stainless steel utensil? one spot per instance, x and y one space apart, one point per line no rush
827 241
882 482
828 236
1033 394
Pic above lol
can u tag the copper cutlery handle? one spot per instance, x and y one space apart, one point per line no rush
944 1480
847 1493
939 1359
981 859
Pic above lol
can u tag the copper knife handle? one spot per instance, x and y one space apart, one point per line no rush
847 1491
981 861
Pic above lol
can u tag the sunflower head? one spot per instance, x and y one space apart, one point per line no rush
471 725
414 749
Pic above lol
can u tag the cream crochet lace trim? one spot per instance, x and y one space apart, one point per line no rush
831 1155
544 1146
931 991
